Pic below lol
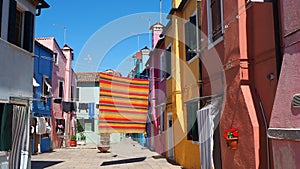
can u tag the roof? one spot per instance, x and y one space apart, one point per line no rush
87 76
157 24
67 47
42 46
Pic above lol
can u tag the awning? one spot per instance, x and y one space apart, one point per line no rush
123 104
34 83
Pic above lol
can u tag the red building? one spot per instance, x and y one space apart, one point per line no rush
285 119
242 34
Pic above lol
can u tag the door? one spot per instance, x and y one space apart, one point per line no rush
170 137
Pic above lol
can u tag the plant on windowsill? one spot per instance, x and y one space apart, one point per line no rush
73 141
231 136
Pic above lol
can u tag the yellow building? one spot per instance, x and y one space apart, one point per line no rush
182 89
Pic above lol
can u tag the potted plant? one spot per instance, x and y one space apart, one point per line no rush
81 139
231 136
73 141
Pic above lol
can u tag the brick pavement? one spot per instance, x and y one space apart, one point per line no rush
127 154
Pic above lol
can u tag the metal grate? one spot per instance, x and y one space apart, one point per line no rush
296 100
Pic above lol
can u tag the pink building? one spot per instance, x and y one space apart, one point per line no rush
63 90
157 90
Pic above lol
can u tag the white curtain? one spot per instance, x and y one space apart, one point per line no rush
206 125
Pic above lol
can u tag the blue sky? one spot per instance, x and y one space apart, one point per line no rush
103 34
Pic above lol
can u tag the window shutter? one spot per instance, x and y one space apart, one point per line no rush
168 62
12 21
187 41
193 35
28 31
1 6
216 19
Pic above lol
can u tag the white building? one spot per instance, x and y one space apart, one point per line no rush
17 20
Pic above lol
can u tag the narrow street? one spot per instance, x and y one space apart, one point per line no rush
125 154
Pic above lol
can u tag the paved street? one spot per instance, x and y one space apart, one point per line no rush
127 154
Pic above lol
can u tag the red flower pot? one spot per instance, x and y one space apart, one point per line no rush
232 143
73 143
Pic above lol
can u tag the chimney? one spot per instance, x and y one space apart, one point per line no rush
157 29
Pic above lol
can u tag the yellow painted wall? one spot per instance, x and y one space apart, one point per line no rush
184 87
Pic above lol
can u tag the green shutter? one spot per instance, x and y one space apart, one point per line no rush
1 6
192 125
187 41
28 31
12 22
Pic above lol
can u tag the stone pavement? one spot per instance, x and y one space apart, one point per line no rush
127 154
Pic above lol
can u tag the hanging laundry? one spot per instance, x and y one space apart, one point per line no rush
69 106
41 125
83 106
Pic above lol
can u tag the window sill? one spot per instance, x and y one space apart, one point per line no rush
213 44
193 59
195 142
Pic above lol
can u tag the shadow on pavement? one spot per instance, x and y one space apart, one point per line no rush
124 161
43 164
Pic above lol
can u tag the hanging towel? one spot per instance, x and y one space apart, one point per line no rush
6 127
41 125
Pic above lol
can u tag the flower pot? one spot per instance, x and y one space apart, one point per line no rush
232 143
73 143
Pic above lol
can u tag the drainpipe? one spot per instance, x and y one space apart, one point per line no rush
199 49
277 37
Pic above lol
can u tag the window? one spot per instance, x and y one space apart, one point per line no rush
215 20
46 86
192 125
61 89
20 27
72 93
55 58
168 56
162 68
77 94
190 38
162 125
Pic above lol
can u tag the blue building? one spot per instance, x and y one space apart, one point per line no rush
140 70
41 105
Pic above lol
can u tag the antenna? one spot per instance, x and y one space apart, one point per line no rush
65 31
160 11
149 24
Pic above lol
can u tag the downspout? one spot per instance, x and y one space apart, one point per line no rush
199 49
277 37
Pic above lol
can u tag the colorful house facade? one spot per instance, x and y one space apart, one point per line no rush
42 98
157 91
63 107
284 123
221 65
246 80
16 82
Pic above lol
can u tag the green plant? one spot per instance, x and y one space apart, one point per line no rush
73 137
231 133
82 136
79 128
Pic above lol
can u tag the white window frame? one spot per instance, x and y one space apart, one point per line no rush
212 43
21 10
63 85
46 83
197 35
55 55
